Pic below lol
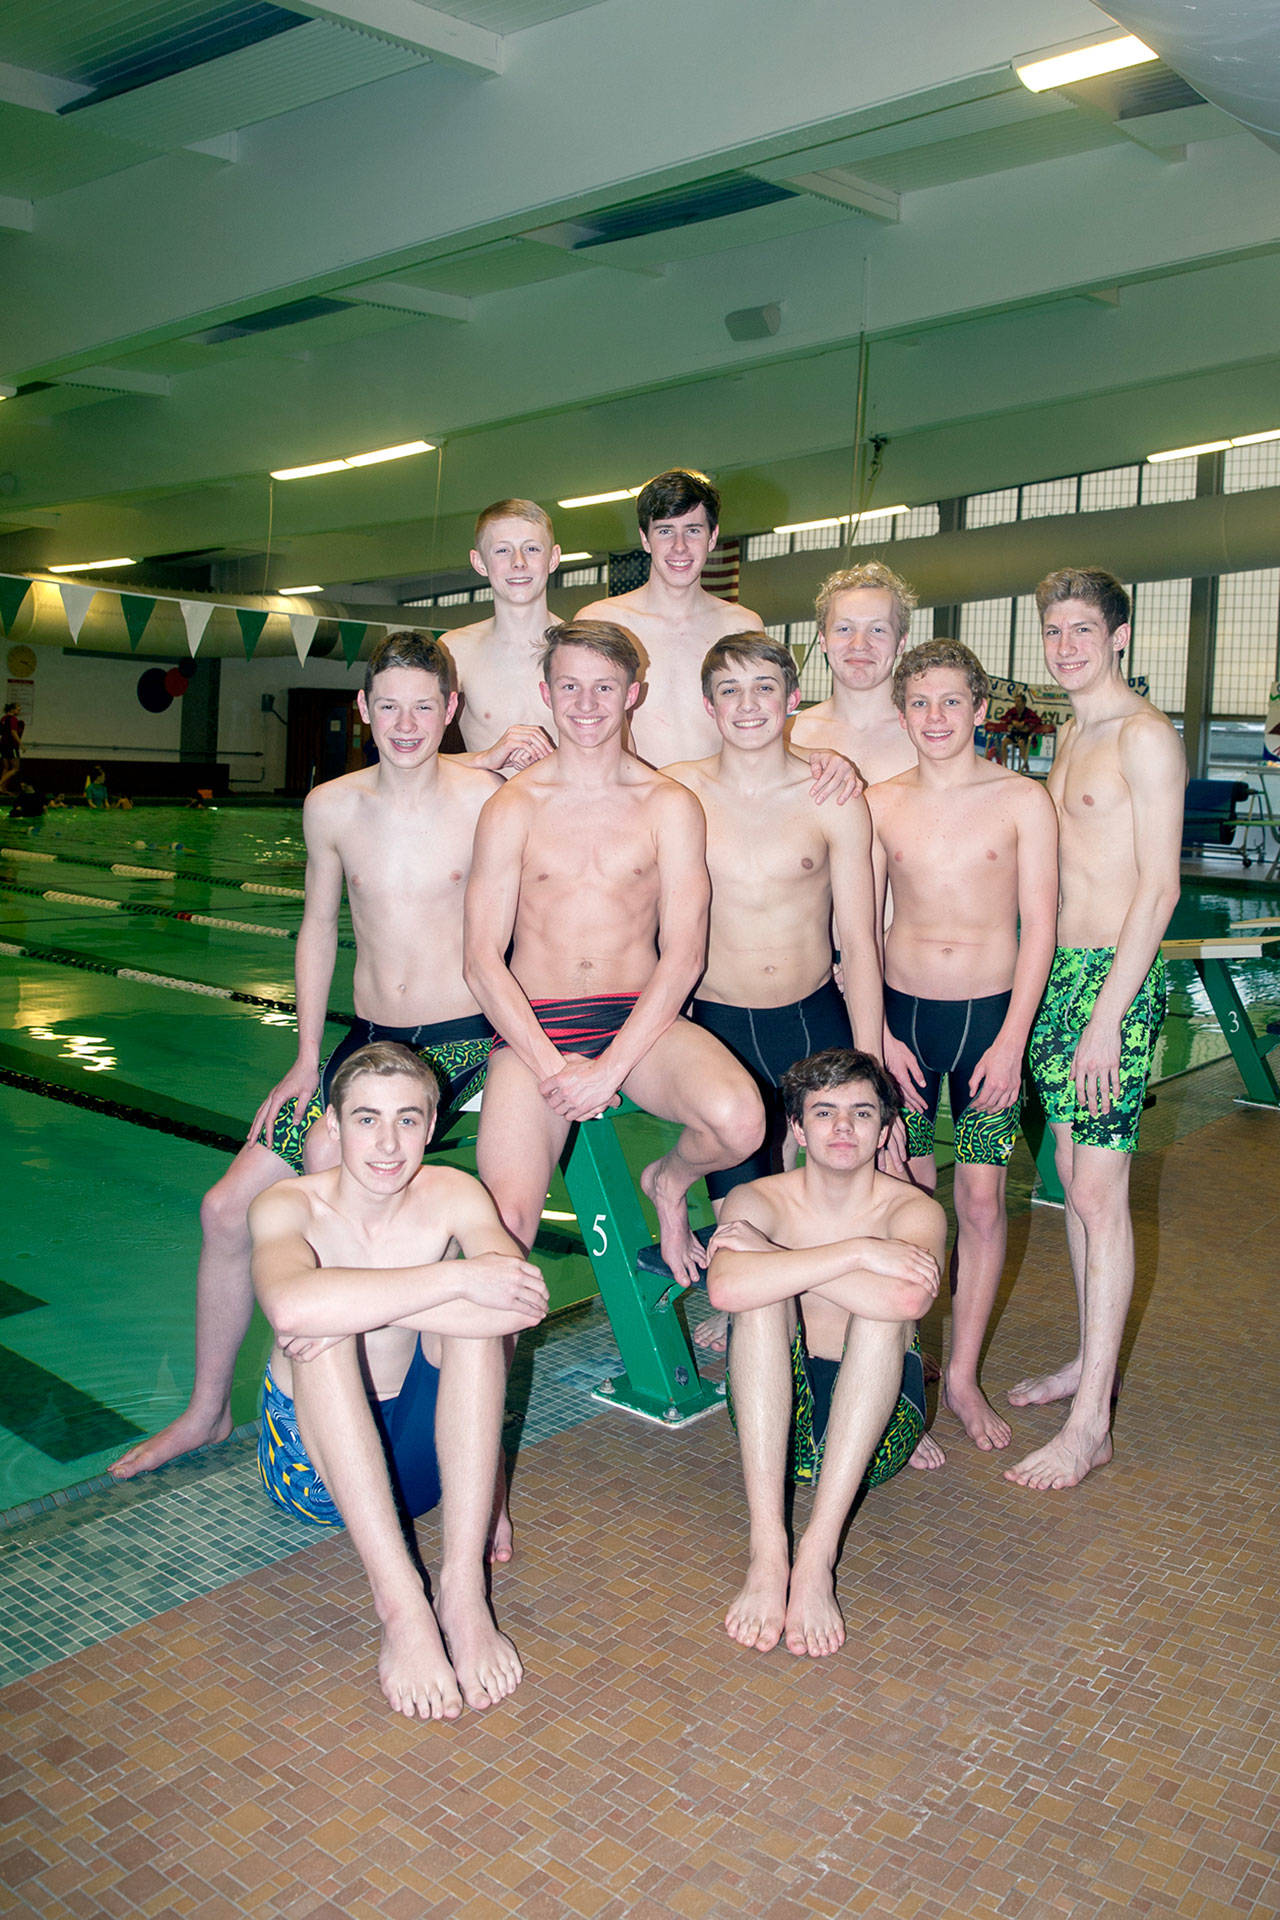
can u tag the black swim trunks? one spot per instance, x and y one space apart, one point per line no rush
768 1040
457 1052
948 1038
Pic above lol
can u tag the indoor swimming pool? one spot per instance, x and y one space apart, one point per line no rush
145 1006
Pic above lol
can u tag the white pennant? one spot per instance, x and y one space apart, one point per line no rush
195 615
304 632
75 603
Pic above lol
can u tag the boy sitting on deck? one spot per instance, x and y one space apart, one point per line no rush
825 1270
352 1269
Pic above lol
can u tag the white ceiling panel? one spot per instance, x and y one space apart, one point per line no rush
313 62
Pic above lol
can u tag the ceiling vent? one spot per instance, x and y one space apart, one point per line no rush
664 212
220 30
249 324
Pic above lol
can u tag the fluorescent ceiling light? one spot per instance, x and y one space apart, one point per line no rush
600 499
311 589
567 558
1084 63
1187 453
90 566
841 519
356 460
1252 439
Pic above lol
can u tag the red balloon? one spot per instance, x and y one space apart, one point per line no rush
176 682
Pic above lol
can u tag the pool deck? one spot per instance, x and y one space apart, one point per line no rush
1049 1705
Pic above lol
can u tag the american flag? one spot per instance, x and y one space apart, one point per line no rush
627 571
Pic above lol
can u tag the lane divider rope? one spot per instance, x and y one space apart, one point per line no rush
166 913
129 872
87 963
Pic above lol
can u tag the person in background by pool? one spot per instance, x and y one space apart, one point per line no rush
96 795
1118 781
29 805
12 728
399 834
384 1392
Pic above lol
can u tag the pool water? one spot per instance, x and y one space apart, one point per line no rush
97 1281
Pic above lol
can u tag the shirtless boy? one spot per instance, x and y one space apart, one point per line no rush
353 1271
594 865
863 614
498 659
782 869
968 850
399 833
825 1271
673 618
1118 781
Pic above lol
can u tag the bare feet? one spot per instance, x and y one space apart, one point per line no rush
815 1624
413 1667
756 1615
928 1454
1041 1388
484 1660
712 1335
976 1414
182 1435
1063 1462
685 1255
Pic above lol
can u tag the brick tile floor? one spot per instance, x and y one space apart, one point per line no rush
1049 1705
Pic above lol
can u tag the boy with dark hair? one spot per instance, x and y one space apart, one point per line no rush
1118 780
965 851
825 1271
672 616
384 1390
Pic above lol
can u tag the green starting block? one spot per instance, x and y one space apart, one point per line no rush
660 1379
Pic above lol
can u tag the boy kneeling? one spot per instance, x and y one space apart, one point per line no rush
352 1269
824 1271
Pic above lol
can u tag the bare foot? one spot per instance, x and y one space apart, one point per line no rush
487 1665
500 1545
182 1435
413 1667
712 1335
815 1624
685 1255
976 1415
1041 1388
756 1614
928 1454
1063 1462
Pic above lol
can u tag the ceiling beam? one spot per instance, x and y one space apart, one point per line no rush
400 297
454 42
17 215
41 92
847 189
118 380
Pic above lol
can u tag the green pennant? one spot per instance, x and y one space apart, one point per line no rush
251 625
351 633
12 594
137 609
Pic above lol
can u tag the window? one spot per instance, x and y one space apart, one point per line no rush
1248 619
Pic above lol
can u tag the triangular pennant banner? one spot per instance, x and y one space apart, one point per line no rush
251 625
195 615
137 609
304 632
351 633
12 594
75 600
